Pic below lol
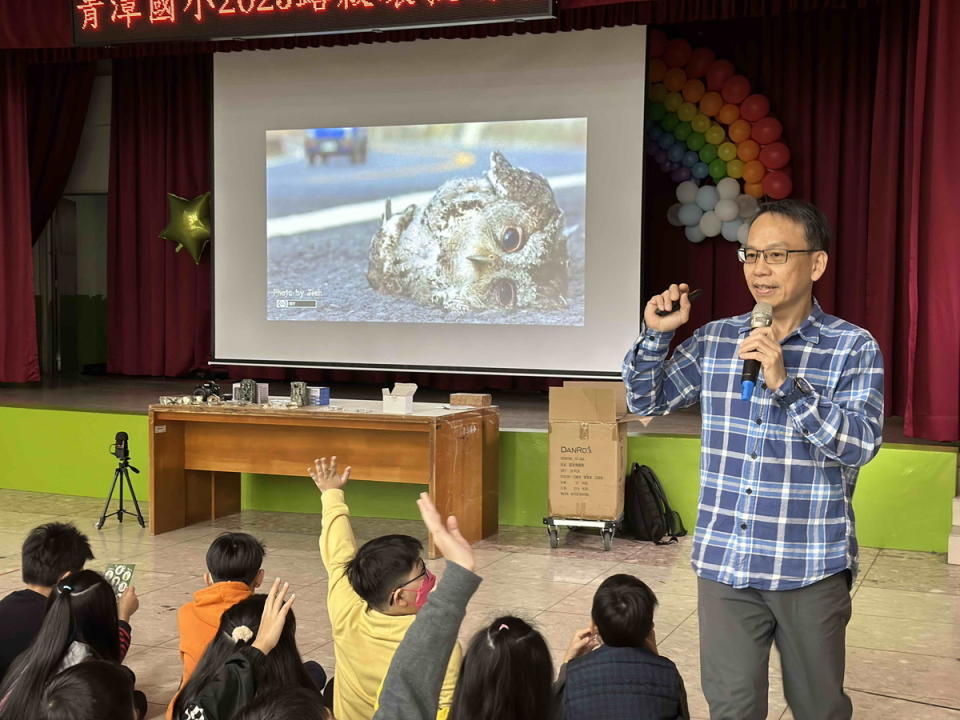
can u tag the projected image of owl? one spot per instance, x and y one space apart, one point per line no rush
490 242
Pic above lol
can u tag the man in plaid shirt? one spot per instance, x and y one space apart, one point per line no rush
775 548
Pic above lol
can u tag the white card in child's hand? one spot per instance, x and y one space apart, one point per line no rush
119 576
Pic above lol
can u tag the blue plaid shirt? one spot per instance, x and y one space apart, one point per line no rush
777 472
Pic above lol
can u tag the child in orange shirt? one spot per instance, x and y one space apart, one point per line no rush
233 573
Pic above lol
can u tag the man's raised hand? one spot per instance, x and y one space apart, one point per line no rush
325 476
452 545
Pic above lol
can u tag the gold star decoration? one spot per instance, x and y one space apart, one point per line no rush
189 224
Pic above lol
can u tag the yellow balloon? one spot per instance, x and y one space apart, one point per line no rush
189 224
735 168
727 152
673 101
687 112
715 135
700 123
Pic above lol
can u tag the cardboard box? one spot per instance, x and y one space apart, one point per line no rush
471 399
400 400
588 450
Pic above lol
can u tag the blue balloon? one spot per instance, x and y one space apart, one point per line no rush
729 230
690 214
690 158
700 170
655 132
707 197
676 153
666 141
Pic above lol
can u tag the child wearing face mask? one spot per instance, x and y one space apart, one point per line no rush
373 595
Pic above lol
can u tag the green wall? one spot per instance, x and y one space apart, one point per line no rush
902 499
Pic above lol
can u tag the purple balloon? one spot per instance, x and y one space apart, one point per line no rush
660 156
670 167
650 147
681 174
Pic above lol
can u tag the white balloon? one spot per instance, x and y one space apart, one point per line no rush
727 210
742 232
673 215
693 234
690 214
730 230
687 191
710 224
728 189
707 197
748 205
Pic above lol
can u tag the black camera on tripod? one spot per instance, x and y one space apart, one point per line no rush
120 449
207 390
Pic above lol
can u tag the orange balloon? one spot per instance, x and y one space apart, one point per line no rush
656 70
753 173
754 189
693 90
739 130
675 79
748 150
711 103
728 114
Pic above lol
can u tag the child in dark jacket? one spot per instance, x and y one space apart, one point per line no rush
612 668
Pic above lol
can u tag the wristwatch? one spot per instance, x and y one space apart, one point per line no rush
800 388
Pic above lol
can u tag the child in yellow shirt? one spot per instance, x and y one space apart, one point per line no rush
373 595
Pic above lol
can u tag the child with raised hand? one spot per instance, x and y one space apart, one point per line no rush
254 652
373 595
613 669
411 690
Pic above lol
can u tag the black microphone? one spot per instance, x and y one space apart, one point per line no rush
762 316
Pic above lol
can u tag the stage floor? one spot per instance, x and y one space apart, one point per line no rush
518 410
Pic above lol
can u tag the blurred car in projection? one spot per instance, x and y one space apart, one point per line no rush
325 142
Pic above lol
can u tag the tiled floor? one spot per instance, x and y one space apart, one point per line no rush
903 658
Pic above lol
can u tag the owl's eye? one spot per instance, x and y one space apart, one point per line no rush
505 292
512 239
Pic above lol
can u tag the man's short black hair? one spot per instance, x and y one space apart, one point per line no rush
623 611
51 550
235 557
381 565
816 227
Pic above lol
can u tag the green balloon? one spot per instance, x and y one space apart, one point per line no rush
670 122
708 153
718 169
682 131
189 224
695 141
657 111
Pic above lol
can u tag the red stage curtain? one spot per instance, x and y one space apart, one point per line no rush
57 98
933 373
18 330
158 306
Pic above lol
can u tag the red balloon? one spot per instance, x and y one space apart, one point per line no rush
656 43
677 53
718 73
735 90
754 108
775 156
767 130
700 61
777 185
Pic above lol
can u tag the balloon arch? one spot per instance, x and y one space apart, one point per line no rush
714 138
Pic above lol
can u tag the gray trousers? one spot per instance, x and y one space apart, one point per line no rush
809 627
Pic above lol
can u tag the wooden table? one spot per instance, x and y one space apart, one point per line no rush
197 453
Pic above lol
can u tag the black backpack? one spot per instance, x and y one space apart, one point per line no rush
647 514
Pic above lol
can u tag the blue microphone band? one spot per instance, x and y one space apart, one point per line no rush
746 389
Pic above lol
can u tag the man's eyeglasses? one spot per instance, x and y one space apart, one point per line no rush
771 257
423 572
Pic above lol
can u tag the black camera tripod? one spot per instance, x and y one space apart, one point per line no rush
121 474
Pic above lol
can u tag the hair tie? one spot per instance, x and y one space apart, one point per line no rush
242 633
61 589
503 626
